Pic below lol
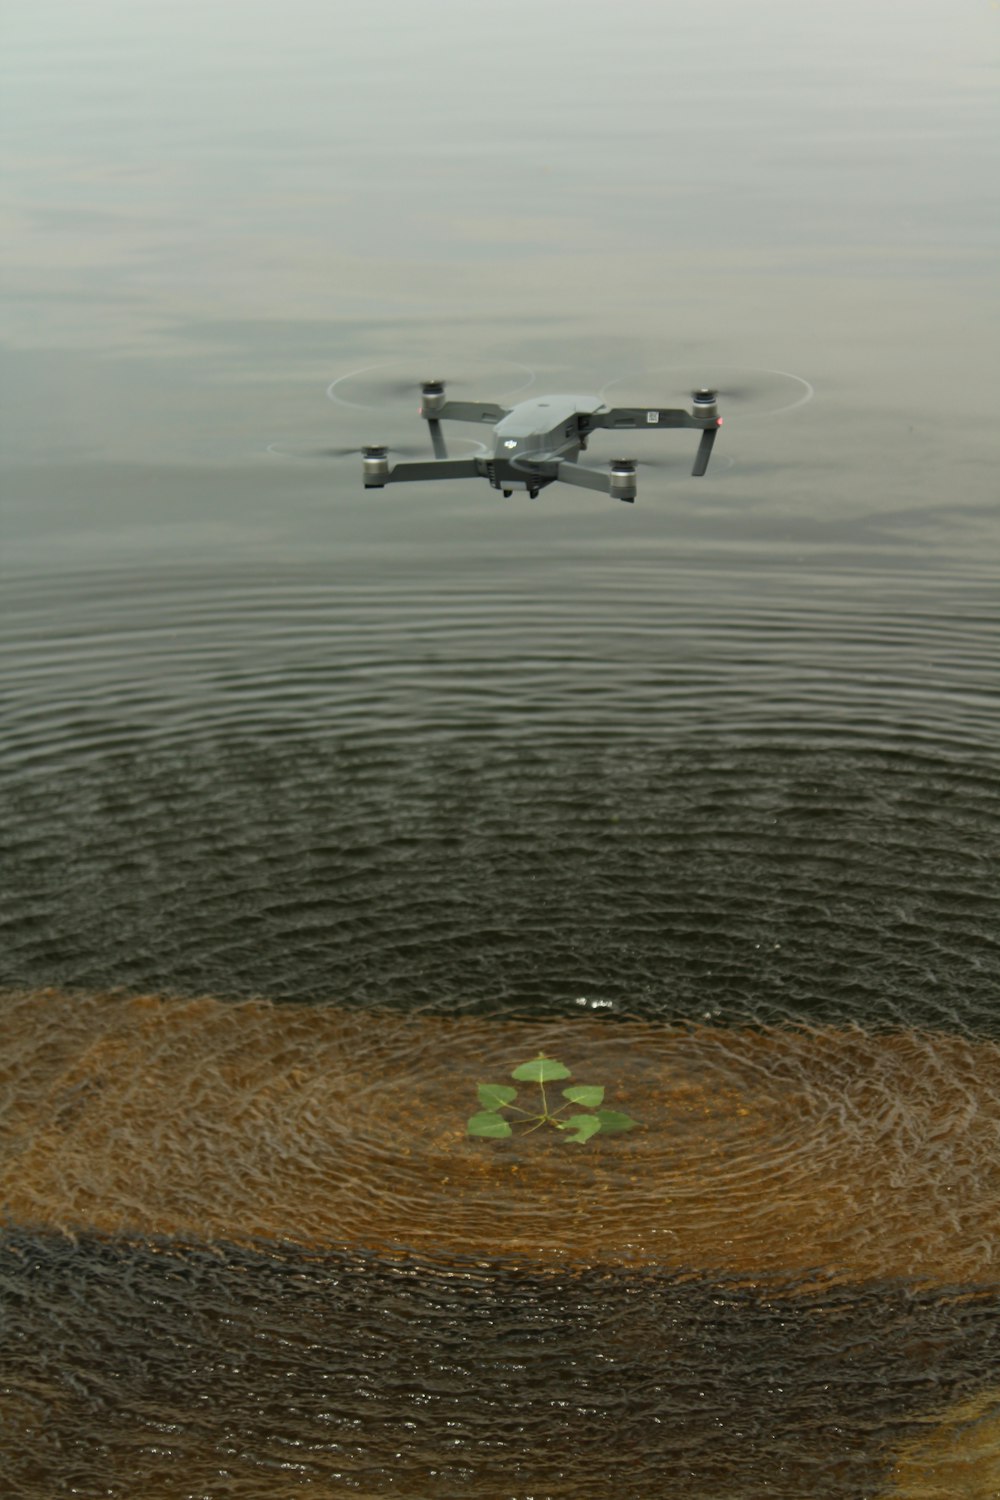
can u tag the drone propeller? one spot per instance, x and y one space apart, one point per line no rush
745 390
402 450
397 383
675 463
394 389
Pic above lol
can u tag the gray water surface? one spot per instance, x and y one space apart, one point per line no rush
729 757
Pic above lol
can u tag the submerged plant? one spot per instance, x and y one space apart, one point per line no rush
498 1097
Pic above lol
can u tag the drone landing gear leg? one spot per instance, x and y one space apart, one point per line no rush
704 451
437 438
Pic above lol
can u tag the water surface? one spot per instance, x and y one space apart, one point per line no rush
316 799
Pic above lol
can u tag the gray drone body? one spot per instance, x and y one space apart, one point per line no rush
539 441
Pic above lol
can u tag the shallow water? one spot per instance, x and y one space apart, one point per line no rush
251 1245
364 792
807 1155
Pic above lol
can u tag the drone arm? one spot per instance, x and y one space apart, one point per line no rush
468 411
584 478
652 418
646 417
424 468
618 481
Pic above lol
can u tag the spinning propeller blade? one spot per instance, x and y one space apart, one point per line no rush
744 391
404 450
396 383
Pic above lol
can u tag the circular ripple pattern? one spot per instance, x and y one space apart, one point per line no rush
818 1154
729 840
784 805
594 653
732 883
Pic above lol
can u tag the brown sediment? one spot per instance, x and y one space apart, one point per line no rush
957 1457
809 1153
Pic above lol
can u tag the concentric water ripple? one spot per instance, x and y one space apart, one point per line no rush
736 882
784 807
728 842
845 659
799 1154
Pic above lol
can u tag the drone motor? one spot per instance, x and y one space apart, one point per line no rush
431 397
621 483
374 465
705 403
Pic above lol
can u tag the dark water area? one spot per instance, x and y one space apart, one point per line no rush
355 788
335 1371
733 883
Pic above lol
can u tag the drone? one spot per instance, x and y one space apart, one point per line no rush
538 442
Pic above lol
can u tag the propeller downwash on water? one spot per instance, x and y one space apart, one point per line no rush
539 440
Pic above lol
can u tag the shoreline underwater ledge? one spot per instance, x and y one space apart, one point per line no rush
815 1155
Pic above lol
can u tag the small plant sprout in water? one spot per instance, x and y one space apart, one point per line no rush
498 1098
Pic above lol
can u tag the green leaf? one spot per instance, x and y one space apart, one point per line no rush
611 1120
496 1095
488 1123
584 1093
540 1070
584 1125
